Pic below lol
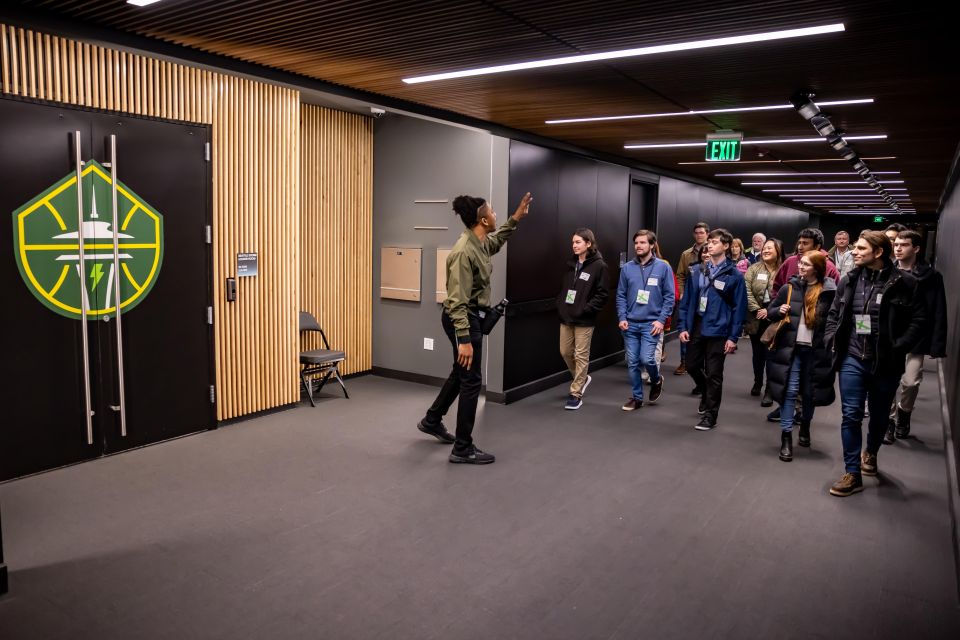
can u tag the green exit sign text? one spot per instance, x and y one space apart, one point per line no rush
724 146
878 218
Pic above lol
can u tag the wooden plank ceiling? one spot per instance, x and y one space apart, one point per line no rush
891 51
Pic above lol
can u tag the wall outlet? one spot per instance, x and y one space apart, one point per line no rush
428 344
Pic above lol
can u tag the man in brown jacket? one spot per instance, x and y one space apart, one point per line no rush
688 257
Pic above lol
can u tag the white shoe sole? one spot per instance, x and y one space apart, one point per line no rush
586 384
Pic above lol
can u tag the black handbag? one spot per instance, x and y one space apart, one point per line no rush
489 316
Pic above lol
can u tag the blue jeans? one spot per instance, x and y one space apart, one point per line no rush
641 348
799 382
857 385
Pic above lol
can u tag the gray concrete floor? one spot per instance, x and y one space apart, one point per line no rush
344 522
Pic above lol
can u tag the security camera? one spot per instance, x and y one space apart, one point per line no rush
377 113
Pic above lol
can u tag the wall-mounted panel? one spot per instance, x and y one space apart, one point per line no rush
400 273
336 230
256 195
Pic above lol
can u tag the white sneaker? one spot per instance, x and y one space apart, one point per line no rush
585 385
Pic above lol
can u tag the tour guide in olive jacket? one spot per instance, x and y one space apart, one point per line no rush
468 275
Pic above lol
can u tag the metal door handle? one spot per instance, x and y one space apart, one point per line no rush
116 282
81 268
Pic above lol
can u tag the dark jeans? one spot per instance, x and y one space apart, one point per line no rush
461 382
705 358
799 383
760 352
857 385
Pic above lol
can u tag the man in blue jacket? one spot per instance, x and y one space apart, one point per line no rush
645 296
712 312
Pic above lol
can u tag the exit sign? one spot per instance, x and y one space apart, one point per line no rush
724 146
878 218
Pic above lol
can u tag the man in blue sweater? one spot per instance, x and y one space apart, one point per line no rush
712 312
645 296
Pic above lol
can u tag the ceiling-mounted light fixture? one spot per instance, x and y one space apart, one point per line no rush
698 112
631 53
142 3
667 145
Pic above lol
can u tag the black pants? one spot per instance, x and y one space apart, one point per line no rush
760 352
705 359
461 382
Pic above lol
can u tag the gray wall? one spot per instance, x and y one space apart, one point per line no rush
948 239
682 204
416 159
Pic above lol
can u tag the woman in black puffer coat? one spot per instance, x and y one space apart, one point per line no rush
801 363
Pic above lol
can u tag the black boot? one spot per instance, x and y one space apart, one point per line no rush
903 423
767 400
890 436
757 387
786 446
804 438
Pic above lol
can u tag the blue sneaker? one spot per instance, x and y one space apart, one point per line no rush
573 403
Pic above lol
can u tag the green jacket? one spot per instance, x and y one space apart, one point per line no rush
756 286
468 275
687 258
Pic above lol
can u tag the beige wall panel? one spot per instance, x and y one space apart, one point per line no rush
256 190
337 231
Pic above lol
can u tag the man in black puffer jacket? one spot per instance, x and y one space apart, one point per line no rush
875 321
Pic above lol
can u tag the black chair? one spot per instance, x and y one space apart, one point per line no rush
318 361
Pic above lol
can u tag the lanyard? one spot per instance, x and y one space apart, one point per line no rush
652 262
577 271
873 288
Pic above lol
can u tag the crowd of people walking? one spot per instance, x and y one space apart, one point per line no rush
864 314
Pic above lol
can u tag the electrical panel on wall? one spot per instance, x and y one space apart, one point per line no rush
400 273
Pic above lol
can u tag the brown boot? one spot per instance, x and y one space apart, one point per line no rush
681 370
868 463
847 485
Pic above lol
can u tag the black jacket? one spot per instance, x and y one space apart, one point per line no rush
930 288
592 292
902 321
778 367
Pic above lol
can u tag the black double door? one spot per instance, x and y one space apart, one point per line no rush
163 363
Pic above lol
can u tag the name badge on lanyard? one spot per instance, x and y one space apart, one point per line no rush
643 296
571 295
862 323
703 304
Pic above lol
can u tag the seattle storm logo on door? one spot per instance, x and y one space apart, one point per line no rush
46 245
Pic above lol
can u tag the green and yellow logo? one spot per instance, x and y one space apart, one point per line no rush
46 242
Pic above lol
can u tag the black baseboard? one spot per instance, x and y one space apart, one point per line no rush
531 388
407 376
259 414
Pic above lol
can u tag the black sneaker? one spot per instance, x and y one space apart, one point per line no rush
696 391
702 409
439 432
774 416
706 423
756 388
890 436
903 424
632 404
573 403
472 456
655 390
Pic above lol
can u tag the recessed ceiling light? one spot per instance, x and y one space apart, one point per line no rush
746 142
792 161
142 3
630 53
802 173
854 182
700 112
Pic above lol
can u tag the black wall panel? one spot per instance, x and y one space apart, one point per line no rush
948 239
572 191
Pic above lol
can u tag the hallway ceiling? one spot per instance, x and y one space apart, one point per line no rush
892 52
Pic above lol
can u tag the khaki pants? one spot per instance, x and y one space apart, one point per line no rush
909 384
575 349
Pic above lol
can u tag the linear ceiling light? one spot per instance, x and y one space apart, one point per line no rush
700 112
802 173
746 142
142 3
853 182
792 161
783 191
631 53
865 212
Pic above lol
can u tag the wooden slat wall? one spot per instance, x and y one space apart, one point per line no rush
336 226
256 189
